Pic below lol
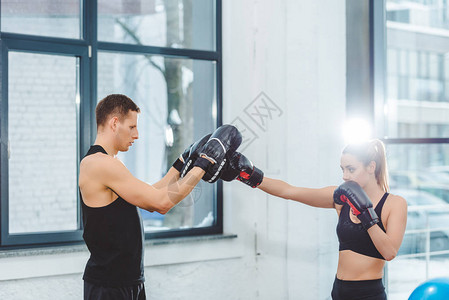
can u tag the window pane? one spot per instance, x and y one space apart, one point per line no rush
56 18
404 275
420 174
423 13
42 130
166 23
176 98
417 99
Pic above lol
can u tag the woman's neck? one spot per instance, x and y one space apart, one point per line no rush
374 190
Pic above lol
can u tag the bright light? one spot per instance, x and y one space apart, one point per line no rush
356 131
169 136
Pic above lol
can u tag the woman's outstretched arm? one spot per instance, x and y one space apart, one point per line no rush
318 197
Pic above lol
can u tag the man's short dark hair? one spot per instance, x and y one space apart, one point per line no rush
114 104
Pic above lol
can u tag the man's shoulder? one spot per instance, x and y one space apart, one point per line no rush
97 161
96 158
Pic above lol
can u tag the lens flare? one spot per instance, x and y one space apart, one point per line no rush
356 131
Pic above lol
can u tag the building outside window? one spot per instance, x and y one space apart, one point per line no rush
415 121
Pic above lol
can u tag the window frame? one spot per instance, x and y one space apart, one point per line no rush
86 48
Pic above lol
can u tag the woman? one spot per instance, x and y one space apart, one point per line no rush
363 249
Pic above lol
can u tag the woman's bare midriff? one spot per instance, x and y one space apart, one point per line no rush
354 266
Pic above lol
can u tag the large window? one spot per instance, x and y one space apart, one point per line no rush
415 122
58 59
42 133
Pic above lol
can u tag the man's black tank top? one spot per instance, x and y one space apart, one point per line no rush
114 236
353 236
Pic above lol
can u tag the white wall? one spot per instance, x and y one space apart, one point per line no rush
294 52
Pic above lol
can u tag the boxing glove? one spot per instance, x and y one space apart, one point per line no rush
214 172
228 173
223 171
353 194
245 170
225 139
179 163
192 153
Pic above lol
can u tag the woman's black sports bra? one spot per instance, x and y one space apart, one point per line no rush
353 236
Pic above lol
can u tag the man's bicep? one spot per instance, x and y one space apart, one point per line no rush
131 189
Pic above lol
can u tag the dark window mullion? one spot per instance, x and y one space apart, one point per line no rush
45 47
219 91
4 153
90 22
416 140
23 38
164 51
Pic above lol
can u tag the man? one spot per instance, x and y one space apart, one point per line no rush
111 196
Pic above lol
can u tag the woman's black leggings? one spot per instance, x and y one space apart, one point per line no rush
356 290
